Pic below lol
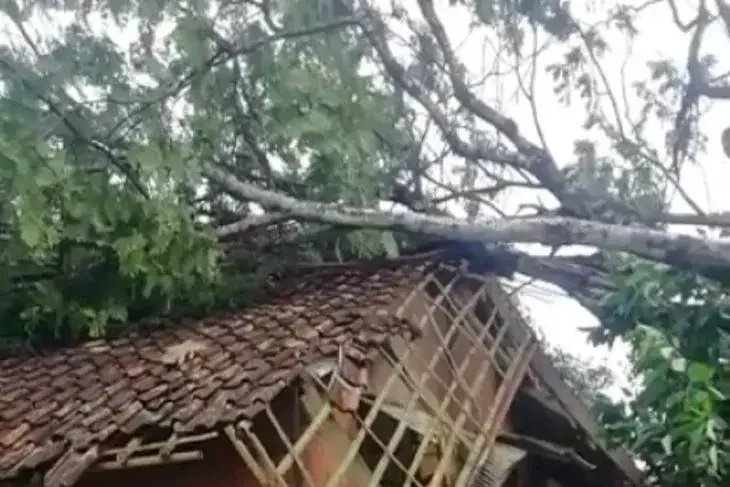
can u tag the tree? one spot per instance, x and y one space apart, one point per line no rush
168 165
159 156
677 422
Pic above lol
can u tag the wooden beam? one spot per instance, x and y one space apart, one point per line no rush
501 463
150 460
274 478
505 394
248 459
550 377
546 449
315 422
332 455
135 445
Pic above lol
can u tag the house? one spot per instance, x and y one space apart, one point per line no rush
411 372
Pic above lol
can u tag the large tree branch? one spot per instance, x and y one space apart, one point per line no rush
242 226
583 281
528 157
250 244
708 256
535 159
700 80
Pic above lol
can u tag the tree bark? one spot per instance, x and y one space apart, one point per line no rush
708 256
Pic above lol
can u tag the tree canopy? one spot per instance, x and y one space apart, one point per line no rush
159 156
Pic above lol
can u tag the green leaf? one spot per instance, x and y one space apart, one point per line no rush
698 372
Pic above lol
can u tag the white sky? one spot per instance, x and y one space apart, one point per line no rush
560 317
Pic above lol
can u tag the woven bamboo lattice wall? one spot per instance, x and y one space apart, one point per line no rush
417 413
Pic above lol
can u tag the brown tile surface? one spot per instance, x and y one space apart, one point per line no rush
192 374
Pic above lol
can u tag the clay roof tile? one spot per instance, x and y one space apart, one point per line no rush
191 374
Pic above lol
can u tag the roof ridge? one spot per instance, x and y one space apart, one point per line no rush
481 257
403 259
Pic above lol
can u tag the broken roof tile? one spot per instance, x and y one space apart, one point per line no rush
190 373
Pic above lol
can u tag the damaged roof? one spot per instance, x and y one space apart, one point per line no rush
192 374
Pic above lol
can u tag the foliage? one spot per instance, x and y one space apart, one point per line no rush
68 224
97 164
677 422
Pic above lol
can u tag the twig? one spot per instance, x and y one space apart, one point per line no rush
91 140
223 55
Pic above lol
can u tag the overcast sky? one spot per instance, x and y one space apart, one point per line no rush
557 316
